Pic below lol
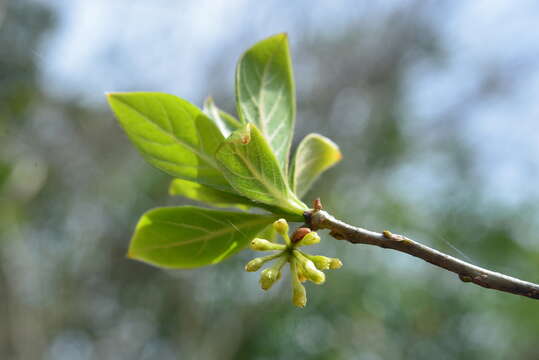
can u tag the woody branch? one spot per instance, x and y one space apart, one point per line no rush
320 219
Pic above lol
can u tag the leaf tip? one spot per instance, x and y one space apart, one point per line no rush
111 94
280 41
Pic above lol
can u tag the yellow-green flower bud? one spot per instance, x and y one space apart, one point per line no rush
312 273
300 273
257 263
281 226
321 262
308 268
268 277
335 264
310 239
258 244
254 264
299 295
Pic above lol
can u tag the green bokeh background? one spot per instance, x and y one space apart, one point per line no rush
72 187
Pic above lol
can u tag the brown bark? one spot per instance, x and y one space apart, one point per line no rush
320 219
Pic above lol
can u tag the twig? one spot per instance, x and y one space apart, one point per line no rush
320 219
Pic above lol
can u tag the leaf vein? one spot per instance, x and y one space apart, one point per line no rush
211 235
204 157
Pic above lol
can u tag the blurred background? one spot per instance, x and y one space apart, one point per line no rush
434 105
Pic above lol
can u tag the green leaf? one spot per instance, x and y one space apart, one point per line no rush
250 167
224 121
219 198
315 154
208 195
188 236
268 233
265 93
171 134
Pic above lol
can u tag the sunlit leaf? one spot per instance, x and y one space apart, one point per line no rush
224 121
250 167
188 237
265 93
315 154
208 195
171 134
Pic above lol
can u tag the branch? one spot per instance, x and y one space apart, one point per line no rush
320 219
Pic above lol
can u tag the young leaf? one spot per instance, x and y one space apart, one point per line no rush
188 236
219 198
224 121
208 195
171 134
265 93
315 154
250 167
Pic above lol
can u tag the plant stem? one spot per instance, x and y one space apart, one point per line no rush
320 219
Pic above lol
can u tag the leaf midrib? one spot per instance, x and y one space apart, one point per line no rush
180 142
277 194
264 118
208 237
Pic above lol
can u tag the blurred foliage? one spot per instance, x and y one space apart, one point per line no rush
72 188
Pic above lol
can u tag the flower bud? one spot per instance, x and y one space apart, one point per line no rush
299 295
310 239
312 273
257 263
281 226
268 277
254 264
301 275
258 244
335 264
321 262
300 234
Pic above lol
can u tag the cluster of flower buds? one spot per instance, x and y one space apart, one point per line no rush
302 266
